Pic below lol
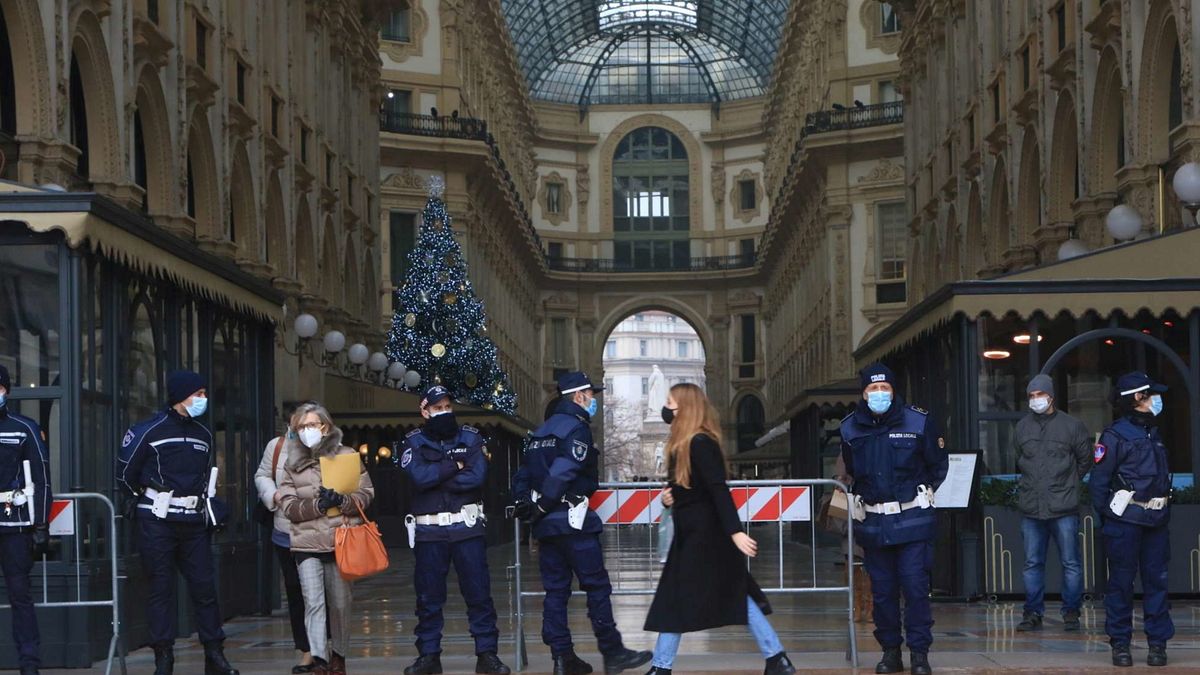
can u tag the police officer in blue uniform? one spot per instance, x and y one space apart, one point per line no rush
560 470
895 459
448 466
1130 488
164 464
24 510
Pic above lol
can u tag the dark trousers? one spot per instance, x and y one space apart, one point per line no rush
169 546
898 570
1132 548
295 597
580 555
16 559
433 560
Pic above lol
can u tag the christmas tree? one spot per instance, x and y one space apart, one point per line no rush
439 332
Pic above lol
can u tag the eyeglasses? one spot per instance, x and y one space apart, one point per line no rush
314 425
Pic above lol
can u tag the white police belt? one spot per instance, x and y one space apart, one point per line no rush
923 500
576 513
162 503
469 514
14 497
1155 504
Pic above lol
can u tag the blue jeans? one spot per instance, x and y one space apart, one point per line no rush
1037 533
667 645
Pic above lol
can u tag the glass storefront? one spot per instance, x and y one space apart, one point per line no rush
89 342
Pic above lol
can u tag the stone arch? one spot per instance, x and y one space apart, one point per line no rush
1063 184
1159 86
306 262
750 420
200 166
352 289
329 263
275 221
242 226
105 160
997 232
977 251
1107 145
1029 191
685 136
642 303
951 264
157 147
34 114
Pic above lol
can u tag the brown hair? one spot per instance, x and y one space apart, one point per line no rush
696 415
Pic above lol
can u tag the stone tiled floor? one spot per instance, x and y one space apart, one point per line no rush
968 637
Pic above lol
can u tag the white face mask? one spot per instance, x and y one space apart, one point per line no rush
1039 404
310 437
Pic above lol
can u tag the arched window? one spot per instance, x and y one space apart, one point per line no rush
79 126
651 201
751 422
8 90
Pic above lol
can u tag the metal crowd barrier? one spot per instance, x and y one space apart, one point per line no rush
114 601
612 502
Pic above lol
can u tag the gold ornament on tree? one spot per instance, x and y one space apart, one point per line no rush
449 298
410 319
438 350
471 380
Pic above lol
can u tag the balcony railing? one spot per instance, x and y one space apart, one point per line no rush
854 118
707 264
445 126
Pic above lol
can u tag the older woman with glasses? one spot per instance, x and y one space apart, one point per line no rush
306 502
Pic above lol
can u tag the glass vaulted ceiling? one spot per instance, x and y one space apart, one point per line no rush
587 52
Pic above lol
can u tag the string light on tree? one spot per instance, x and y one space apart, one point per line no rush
439 328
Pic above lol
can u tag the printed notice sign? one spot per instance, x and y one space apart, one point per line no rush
955 491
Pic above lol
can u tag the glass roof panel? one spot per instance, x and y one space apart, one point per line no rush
586 52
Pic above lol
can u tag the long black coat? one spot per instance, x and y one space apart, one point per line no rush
705 582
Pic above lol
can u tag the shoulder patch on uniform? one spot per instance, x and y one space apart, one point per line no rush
468 427
920 410
579 450
1100 452
128 439
412 433
406 458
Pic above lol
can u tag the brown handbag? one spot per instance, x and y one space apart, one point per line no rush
358 549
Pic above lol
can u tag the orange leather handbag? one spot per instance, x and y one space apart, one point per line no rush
359 550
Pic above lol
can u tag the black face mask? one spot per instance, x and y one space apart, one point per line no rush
668 415
442 427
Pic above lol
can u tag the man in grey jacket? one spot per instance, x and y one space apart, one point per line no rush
1054 453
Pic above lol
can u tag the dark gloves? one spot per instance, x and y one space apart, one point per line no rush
528 510
41 540
328 499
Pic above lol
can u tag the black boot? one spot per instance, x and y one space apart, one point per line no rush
1030 621
215 662
1071 620
625 659
1121 656
1157 655
488 662
779 664
891 661
164 660
920 664
569 664
426 664
655 670
33 670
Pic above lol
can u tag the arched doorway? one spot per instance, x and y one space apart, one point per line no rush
645 354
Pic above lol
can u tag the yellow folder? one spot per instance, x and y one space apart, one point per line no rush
340 473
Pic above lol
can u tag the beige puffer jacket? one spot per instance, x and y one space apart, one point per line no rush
312 531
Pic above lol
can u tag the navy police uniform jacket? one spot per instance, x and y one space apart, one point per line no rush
166 452
560 461
888 457
21 440
1131 456
441 487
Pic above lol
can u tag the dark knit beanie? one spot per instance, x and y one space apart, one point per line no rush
182 384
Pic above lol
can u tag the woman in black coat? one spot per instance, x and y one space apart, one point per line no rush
705 583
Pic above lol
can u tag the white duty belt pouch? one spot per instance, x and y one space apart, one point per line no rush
410 524
577 512
161 503
1120 501
858 510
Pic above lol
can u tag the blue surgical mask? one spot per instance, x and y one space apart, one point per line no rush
879 401
1156 405
593 406
198 406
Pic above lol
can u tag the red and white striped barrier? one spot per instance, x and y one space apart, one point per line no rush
643 506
